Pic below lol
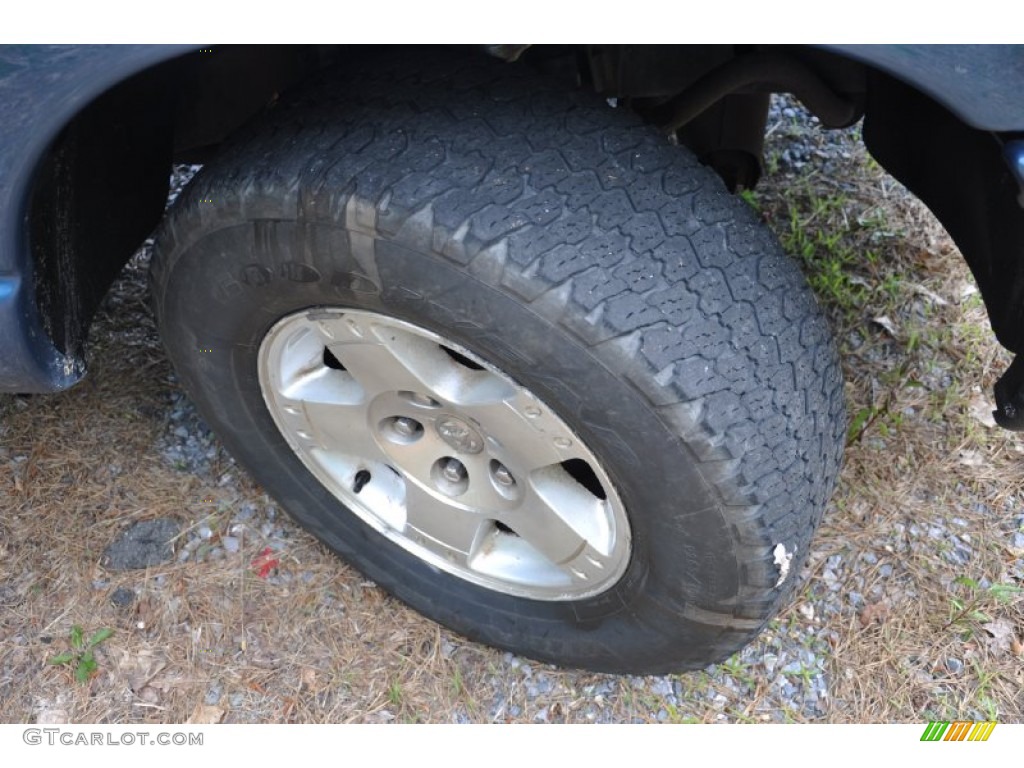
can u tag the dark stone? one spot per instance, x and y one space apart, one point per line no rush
122 597
143 545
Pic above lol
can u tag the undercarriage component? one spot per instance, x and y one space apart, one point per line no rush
766 72
729 137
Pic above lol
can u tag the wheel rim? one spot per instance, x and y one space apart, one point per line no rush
444 454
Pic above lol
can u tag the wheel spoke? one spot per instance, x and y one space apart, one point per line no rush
561 517
343 428
322 385
325 407
528 433
383 358
386 359
378 487
513 559
548 535
588 567
456 530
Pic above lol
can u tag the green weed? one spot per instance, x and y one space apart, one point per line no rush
982 696
972 608
81 657
395 694
813 236
458 686
735 667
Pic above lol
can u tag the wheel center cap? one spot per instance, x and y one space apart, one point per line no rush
459 435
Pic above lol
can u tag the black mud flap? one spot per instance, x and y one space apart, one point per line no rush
962 175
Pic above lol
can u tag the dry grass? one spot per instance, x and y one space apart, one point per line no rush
327 646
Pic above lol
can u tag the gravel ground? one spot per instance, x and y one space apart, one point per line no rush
906 538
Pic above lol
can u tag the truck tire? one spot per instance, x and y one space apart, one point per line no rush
504 349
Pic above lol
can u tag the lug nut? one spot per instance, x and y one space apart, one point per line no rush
503 477
405 426
453 471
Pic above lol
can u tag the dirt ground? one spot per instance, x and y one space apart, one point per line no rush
911 607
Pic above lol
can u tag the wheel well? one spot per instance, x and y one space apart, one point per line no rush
101 186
